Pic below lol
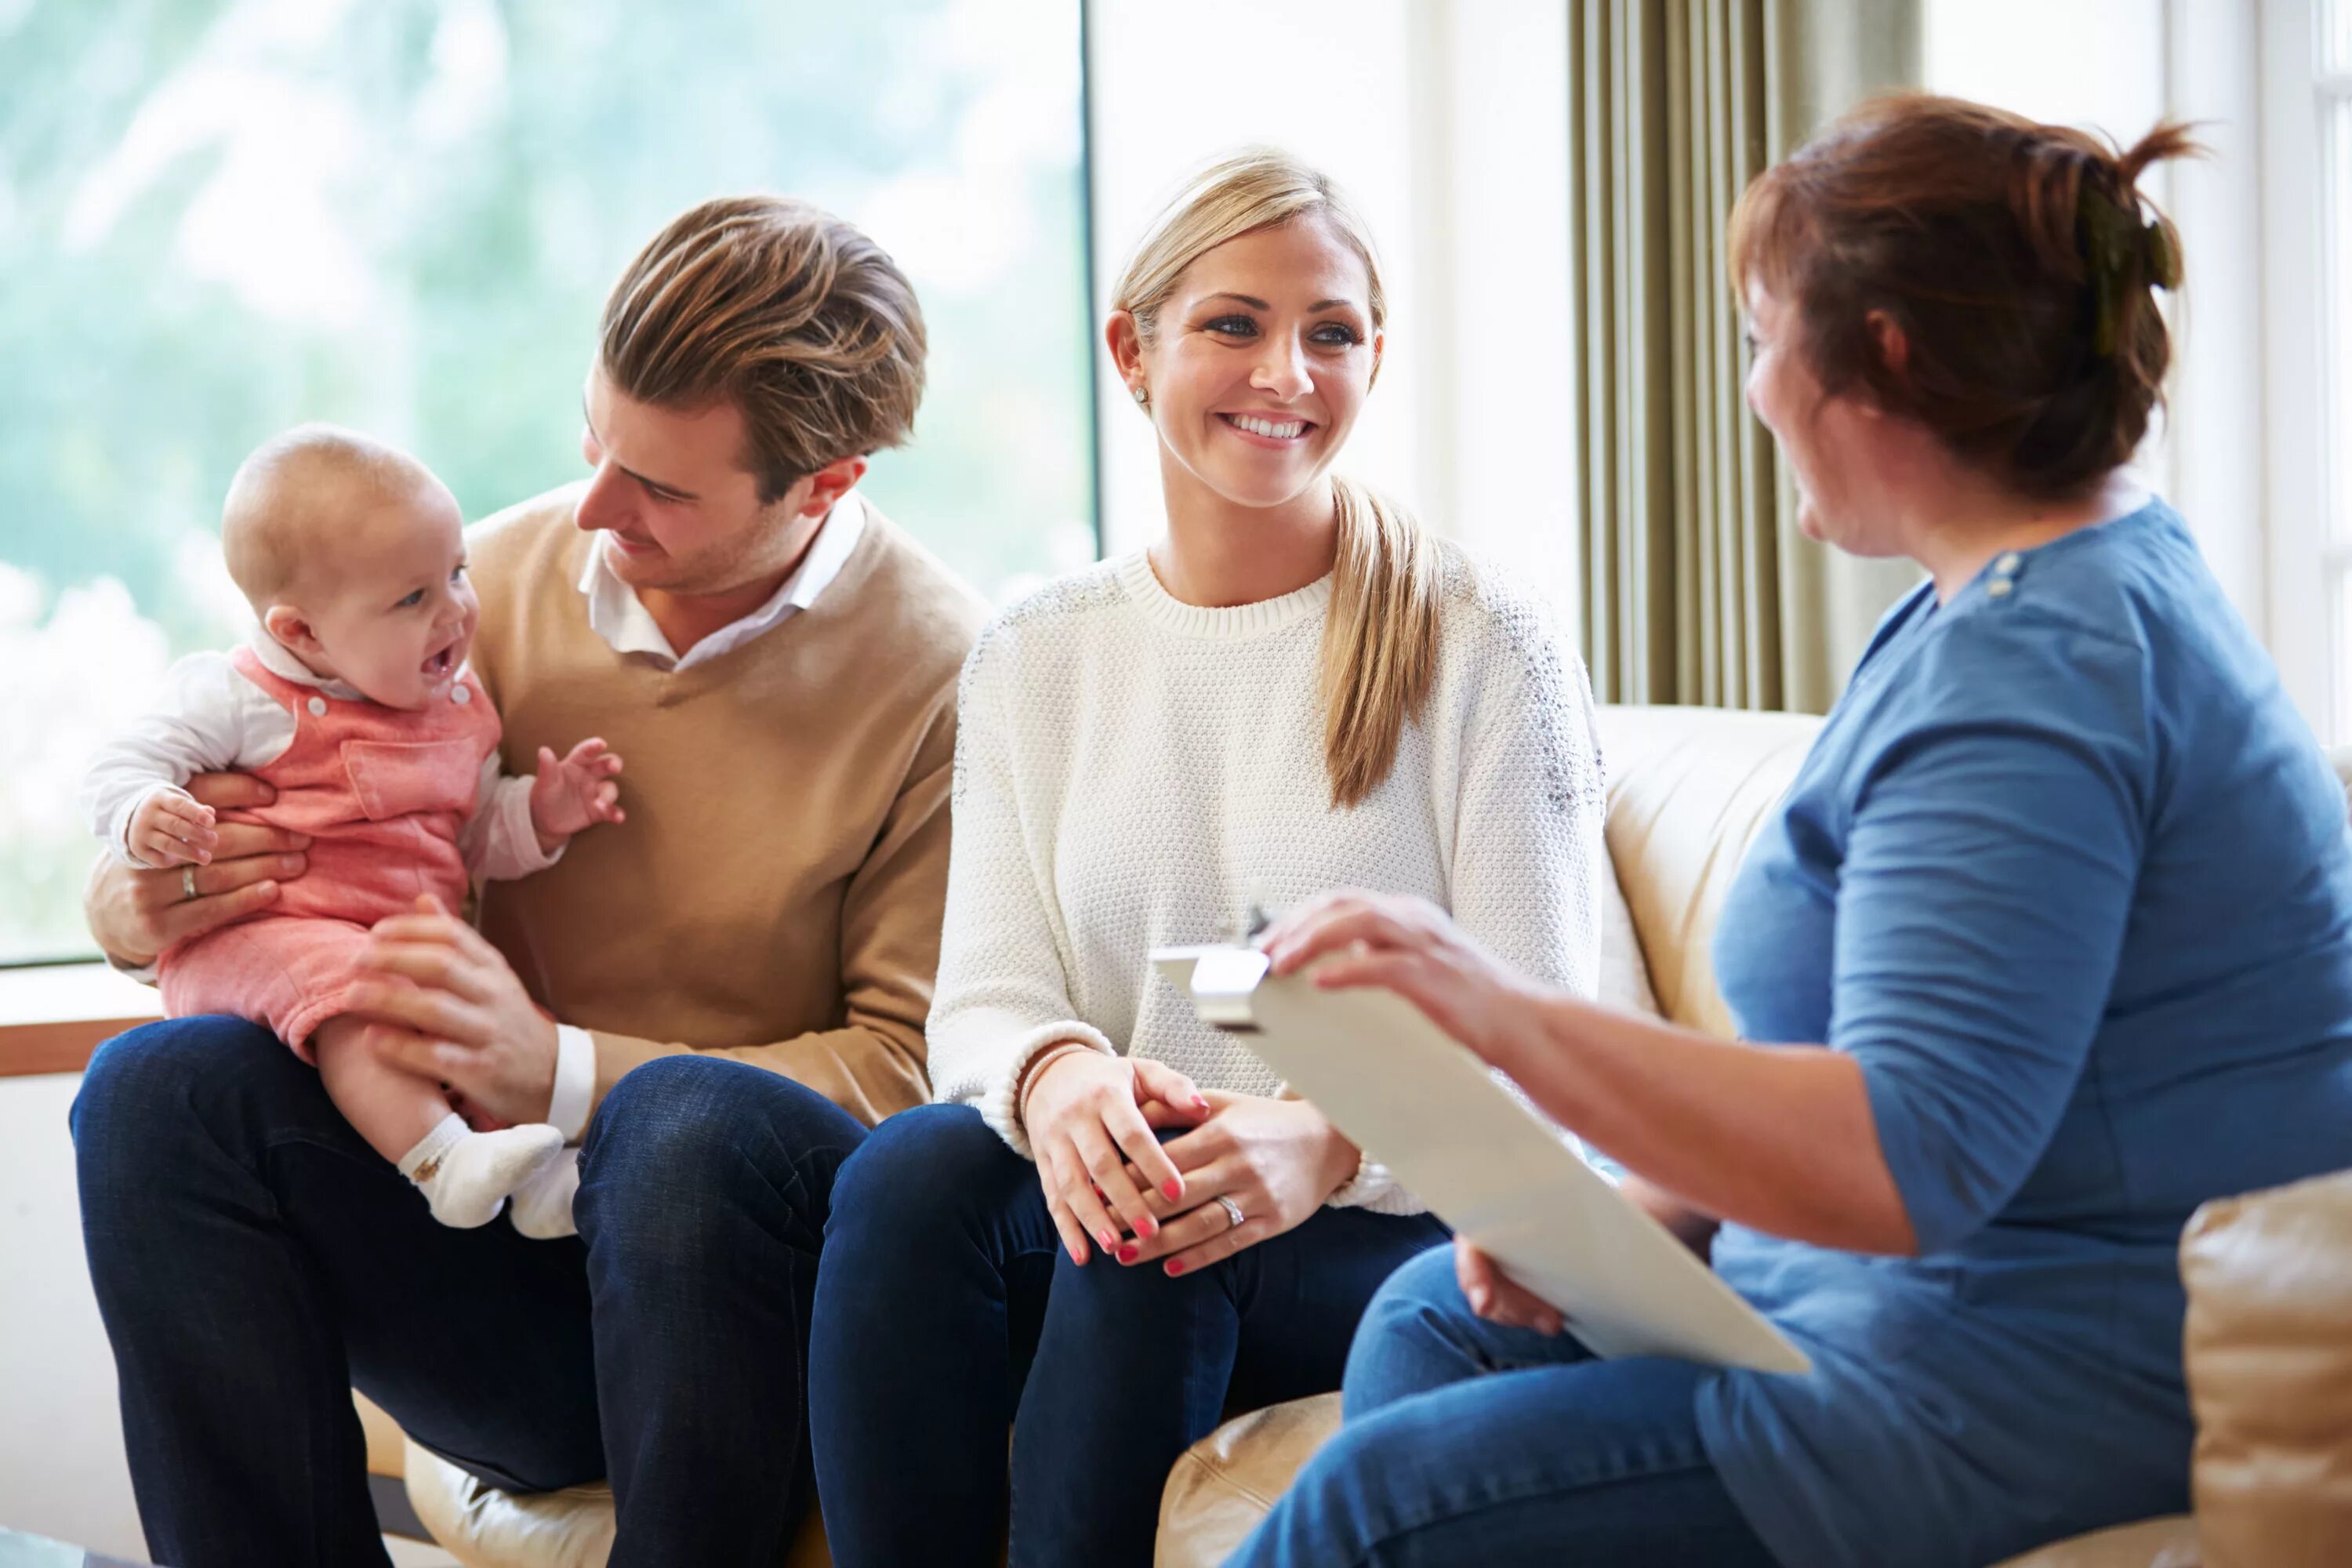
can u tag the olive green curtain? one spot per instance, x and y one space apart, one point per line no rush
1696 586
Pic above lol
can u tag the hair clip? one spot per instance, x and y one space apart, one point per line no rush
2163 256
2113 237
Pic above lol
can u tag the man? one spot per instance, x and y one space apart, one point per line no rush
740 973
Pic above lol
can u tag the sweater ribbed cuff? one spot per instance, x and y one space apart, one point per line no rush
1370 1177
1001 1107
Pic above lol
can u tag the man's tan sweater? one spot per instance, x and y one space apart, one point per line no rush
775 893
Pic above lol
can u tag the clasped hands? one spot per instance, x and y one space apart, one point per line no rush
1093 1122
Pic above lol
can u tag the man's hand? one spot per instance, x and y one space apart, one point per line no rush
573 793
134 916
463 1017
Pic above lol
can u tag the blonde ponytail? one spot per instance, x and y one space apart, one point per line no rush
1380 636
1379 640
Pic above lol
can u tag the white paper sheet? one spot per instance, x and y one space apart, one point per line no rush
1424 1106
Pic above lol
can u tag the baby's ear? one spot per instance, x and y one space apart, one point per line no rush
291 627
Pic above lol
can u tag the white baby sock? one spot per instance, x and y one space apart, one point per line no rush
466 1175
543 1204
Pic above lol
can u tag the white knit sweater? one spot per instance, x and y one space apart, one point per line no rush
1133 771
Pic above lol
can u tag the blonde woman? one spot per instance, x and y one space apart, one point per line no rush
1295 687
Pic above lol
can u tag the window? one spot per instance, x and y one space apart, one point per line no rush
221 217
2332 82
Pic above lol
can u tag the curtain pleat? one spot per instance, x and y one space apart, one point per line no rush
1697 588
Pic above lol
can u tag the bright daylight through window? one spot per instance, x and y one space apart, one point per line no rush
221 217
2334 74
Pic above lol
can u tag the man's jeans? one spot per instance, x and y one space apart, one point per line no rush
255 1260
1469 1442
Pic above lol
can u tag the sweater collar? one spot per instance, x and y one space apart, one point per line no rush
1224 621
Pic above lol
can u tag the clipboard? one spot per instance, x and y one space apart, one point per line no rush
1421 1104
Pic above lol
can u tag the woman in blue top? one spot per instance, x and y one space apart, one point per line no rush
2050 942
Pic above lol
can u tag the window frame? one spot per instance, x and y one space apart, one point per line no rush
2307 637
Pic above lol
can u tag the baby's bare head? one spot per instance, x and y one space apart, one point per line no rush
318 507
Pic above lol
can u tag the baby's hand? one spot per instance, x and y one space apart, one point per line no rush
575 793
170 829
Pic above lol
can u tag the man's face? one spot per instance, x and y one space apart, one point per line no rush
682 514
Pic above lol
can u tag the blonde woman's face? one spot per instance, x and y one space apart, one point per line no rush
1263 356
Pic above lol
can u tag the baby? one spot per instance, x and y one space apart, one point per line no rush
353 701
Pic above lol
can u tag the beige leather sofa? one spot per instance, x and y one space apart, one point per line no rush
2269 1332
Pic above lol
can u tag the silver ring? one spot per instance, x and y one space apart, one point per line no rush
187 882
1233 1211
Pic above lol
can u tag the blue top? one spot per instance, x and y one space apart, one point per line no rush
2069 877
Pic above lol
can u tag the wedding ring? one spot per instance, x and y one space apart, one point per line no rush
1233 1211
188 883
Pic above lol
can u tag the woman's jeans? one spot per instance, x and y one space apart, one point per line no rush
255 1260
948 1312
1468 1442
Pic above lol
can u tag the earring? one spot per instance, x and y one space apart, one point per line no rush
1142 398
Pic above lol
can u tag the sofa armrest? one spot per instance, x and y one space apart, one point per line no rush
2268 1350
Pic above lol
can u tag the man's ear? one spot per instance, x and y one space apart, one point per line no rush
292 629
830 483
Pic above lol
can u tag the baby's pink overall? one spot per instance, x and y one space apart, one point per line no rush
383 793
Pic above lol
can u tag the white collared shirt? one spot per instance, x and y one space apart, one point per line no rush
616 615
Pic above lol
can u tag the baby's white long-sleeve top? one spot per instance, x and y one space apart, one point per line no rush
211 718
1133 771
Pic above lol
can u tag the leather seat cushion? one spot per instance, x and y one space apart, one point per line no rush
2269 1355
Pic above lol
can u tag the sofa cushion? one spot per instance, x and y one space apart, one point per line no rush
1228 1480
386 1445
483 1527
2167 1542
2269 1358
1624 977
1688 788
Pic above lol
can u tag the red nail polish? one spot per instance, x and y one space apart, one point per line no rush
1172 1187
1128 1254
1146 1227
1175 1267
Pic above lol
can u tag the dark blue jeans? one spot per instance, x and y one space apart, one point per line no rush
1468 1442
948 1311
255 1260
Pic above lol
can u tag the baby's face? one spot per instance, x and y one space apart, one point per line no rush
399 618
